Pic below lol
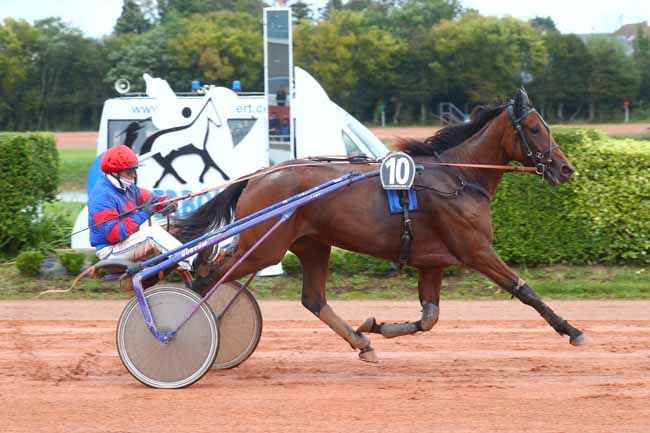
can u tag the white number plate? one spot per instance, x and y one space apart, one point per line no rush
397 171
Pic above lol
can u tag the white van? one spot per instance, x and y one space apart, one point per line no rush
190 142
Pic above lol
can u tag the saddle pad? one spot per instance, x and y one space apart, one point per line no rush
394 204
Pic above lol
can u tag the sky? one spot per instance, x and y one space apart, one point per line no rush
97 17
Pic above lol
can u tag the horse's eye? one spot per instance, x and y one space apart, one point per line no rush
535 130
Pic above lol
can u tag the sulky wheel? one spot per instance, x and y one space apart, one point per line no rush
186 357
240 327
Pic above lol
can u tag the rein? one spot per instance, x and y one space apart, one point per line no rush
222 186
337 159
323 161
485 166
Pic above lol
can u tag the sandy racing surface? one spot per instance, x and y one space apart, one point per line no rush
486 367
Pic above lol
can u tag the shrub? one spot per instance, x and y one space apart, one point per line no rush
29 176
29 262
602 215
54 228
72 262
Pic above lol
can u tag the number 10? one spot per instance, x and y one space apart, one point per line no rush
398 170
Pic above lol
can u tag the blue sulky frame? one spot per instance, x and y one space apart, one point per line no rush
284 209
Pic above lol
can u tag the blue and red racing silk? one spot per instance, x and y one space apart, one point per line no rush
106 202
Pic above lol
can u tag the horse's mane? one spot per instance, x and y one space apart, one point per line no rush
450 136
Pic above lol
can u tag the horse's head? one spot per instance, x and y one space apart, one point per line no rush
533 144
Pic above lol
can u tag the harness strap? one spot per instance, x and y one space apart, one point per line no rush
407 230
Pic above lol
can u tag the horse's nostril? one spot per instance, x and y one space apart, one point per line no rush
566 170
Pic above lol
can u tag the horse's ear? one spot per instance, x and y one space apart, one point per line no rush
522 103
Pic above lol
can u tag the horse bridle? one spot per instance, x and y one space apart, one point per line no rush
539 160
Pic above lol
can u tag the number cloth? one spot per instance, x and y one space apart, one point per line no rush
395 206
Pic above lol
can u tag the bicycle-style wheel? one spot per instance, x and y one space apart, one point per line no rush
240 327
186 357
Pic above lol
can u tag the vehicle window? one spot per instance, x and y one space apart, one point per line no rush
373 144
351 148
239 128
131 133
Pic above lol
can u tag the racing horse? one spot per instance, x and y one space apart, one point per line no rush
452 226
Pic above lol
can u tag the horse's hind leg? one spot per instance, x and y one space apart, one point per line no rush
429 283
314 257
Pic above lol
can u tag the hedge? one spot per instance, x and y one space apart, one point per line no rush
29 167
601 216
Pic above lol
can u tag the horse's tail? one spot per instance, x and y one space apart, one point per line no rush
220 210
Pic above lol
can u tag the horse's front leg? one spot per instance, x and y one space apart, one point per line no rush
486 261
429 283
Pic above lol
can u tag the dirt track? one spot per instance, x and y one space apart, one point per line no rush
486 367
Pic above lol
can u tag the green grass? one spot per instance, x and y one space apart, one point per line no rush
364 280
553 282
74 168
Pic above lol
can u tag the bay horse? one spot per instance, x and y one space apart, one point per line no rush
452 226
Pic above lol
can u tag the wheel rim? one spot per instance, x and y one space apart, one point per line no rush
182 361
240 327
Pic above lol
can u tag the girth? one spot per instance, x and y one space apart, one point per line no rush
407 230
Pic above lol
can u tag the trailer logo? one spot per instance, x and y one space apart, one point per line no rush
143 109
184 133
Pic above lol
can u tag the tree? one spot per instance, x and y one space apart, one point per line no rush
412 21
66 76
149 9
132 55
642 59
564 80
543 24
614 76
189 7
132 19
220 47
57 84
354 61
13 67
300 11
415 15
330 7
484 57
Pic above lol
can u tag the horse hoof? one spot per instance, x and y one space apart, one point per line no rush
367 325
580 340
369 356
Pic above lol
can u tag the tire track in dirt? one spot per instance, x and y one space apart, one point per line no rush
34 366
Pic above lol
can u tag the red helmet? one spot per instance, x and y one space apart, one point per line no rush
118 158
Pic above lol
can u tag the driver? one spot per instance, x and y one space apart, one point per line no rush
129 236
